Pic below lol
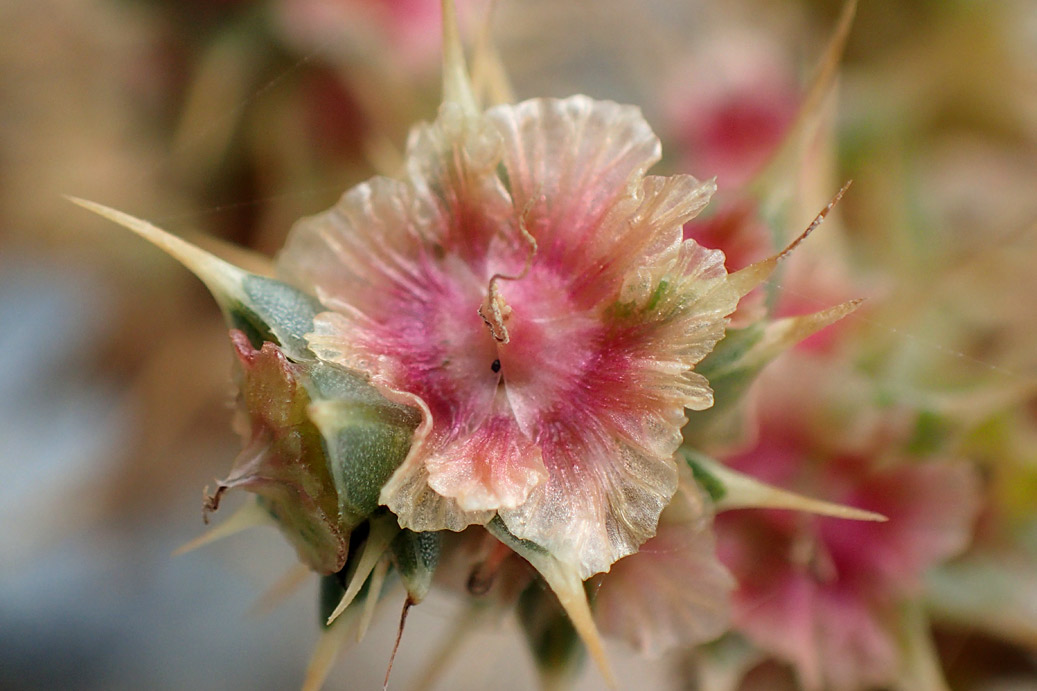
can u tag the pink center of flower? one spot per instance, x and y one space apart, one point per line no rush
472 346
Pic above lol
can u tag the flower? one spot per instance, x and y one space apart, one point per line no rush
526 287
504 337
736 110
822 593
404 32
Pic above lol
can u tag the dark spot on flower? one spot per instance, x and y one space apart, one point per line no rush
479 583
495 366
502 173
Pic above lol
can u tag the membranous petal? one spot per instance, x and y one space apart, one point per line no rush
369 246
674 591
567 163
530 293
603 499
492 467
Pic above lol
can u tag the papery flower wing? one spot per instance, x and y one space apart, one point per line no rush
388 259
603 499
370 247
492 467
567 163
452 167
932 507
609 445
673 591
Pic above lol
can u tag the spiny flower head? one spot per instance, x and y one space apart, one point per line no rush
505 336
824 594
528 289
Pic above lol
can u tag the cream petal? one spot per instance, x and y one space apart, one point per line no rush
492 467
372 237
388 237
452 166
677 307
602 501
567 162
575 154
419 507
673 592
612 421
638 231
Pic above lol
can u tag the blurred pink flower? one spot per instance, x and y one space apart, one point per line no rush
405 31
823 593
528 289
735 110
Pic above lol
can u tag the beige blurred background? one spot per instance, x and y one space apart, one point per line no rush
229 119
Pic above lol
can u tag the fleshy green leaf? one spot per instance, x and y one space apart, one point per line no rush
416 556
286 312
553 640
366 437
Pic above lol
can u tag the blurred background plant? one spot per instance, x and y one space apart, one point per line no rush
227 121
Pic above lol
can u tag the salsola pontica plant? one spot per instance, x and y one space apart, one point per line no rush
489 361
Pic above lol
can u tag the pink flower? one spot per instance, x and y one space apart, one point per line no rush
406 32
731 118
674 592
528 289
823 593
